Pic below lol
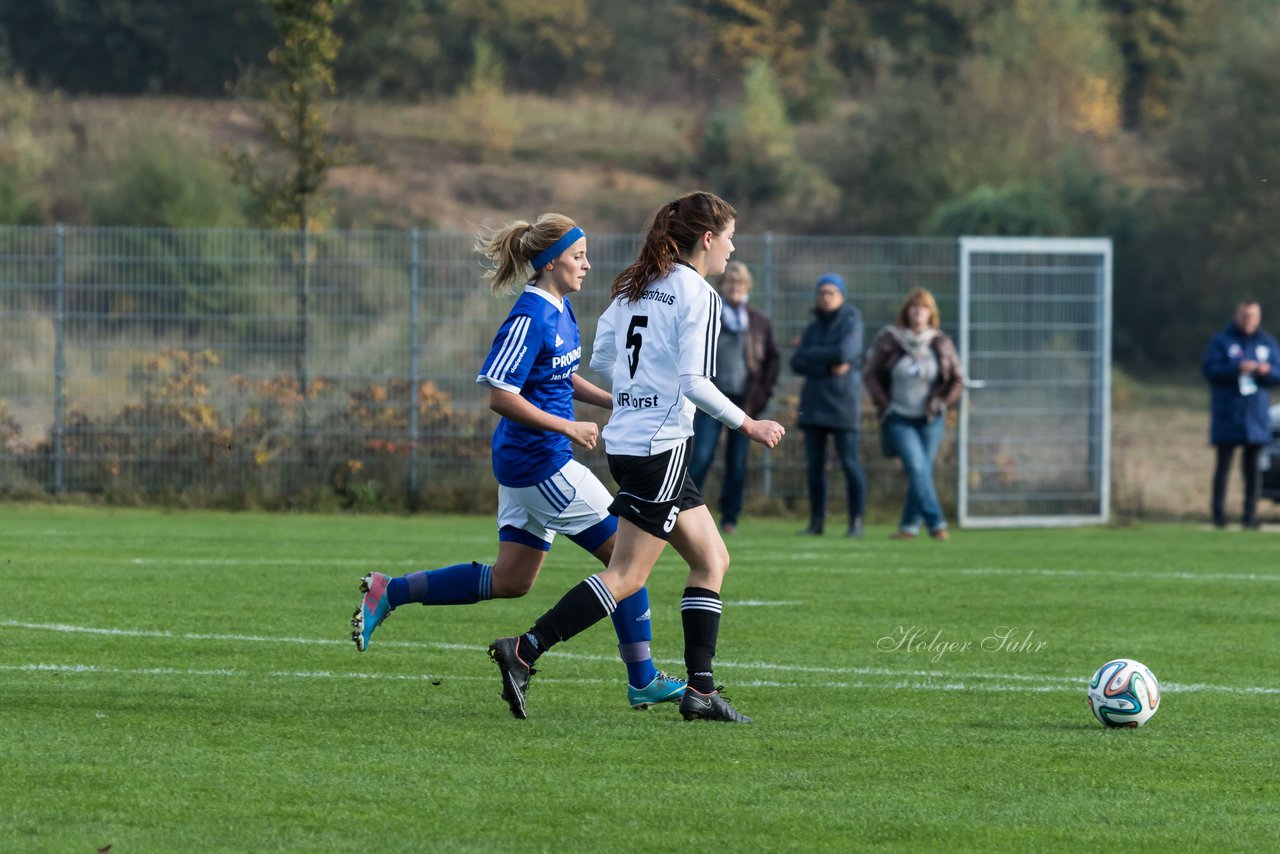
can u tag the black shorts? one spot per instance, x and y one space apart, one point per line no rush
653 490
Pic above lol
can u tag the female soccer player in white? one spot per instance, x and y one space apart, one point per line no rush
657 339
533 380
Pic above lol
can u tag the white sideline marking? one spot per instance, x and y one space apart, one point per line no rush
571 656
271 674
1045 682
360 563
750 683
1083 573
367 563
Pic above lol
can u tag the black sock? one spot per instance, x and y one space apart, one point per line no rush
700 613
578 610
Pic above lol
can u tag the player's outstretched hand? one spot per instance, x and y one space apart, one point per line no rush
584 433
767 433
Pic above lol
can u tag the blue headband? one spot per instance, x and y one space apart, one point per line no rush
553 251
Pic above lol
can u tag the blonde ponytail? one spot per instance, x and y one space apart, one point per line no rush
509 249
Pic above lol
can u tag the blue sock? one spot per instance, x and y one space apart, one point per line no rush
460 584
631 622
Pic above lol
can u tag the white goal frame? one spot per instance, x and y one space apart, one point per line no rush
1038 252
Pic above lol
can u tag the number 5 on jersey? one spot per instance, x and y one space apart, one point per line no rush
671 519
634 342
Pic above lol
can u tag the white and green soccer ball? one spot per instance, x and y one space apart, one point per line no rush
1124 693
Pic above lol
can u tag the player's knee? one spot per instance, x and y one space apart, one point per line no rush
627 591
623 582
512 588
717 564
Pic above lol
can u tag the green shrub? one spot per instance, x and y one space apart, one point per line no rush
1019 210
22 159
164 182
488 114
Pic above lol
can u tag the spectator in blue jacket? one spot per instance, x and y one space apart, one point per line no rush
1242 362
830 360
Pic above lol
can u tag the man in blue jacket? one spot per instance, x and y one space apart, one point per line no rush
1242 362
829 358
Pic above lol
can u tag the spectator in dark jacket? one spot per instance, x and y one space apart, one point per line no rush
1241 363
913 376
830 360
747 363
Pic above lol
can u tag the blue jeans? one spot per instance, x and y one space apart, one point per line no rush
815 453
706 435
915 441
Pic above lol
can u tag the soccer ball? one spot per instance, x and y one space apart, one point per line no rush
1124 693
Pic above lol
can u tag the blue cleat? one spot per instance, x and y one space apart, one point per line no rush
373 609
663 689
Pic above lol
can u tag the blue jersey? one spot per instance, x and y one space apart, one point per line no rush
535 355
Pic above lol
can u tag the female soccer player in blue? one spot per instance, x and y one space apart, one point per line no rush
533 380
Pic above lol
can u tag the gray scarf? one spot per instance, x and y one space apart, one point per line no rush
916 344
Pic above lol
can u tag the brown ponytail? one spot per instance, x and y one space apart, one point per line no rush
509 249
675 231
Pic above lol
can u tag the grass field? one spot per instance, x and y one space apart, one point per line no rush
185 682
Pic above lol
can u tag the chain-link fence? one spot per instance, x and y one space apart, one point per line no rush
234 368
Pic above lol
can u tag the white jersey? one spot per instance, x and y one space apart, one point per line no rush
647 346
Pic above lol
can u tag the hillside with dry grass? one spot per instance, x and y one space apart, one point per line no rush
451 163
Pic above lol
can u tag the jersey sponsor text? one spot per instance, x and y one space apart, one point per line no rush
636 401
660 296
567 359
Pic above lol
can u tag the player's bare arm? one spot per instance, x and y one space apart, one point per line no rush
585 391
516 408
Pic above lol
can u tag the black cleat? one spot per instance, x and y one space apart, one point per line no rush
515 673
709 707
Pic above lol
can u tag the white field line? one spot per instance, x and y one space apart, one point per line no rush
899 685
363 564
1084 573
391 677
908 679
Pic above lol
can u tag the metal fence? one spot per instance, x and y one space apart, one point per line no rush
234 367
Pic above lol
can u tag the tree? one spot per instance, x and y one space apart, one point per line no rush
389 47
1205 239
292 115
929 37
750 156
131 46
1038 82
543 46
487 114
1153 39
21 158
